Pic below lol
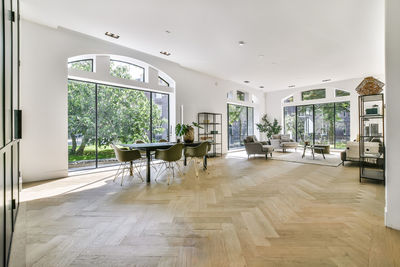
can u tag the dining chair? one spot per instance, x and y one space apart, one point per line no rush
196 154
128 159
169 158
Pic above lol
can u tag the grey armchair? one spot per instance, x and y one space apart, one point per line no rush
255 147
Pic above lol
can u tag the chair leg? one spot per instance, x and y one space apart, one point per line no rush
123 173
117 173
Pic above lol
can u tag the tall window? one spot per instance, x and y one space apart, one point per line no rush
99 115
240 124
126 70
319 124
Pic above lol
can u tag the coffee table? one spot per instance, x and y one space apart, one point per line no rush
314 148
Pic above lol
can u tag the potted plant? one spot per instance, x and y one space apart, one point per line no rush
187 131
268 127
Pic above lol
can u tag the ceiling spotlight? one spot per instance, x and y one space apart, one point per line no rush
246 81
165 53
167 31
261 87
112 35
291 86
241 43
326 80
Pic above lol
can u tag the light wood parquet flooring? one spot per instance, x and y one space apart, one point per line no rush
239 213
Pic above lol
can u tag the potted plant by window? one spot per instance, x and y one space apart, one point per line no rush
187 131
270 128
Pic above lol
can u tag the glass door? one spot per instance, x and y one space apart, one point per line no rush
305 124
240 125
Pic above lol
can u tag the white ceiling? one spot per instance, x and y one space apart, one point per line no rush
302 41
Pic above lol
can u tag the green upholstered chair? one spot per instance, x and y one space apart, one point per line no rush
197 153
169 158
128 159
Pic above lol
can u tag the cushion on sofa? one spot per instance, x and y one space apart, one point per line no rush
249 139
276 136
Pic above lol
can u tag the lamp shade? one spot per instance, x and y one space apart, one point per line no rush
370 86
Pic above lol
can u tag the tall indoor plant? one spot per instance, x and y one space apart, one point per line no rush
187 131
268 127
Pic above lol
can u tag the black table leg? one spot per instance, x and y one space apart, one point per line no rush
184 161
148 171
205 163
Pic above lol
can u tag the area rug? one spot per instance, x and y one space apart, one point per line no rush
332 159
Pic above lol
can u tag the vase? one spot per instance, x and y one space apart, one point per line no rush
189 136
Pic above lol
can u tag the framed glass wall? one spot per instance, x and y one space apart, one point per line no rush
324 123
290 121
342 124
99 115
305 124
240 124
319 124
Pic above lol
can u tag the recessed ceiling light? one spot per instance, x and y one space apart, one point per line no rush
261 87
291 86
113 35
241 43
165 53
326 80
246 81
167 31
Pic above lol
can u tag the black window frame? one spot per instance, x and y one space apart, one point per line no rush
313 107
80 60
164 81
247 120
129 63
97 84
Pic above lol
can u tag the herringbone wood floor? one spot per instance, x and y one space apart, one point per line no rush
242 213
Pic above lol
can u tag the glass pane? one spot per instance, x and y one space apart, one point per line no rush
342 127
324 124
81 124
290 121
126 70
313 94
162 82
85 65
289 99
160 111
251 121
237 122
240 96
305 127
339 93
123 117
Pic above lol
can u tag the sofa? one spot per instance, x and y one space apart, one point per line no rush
255 147
283 141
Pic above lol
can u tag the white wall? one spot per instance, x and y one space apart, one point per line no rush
44 54
273 100
392 217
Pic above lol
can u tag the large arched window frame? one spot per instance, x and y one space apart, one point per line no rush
115 106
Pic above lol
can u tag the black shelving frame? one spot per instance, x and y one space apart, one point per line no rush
211 124
372 165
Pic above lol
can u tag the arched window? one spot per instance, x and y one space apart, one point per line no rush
102 112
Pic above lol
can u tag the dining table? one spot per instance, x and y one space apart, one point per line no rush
149 147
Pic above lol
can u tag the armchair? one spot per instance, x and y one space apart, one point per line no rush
253 147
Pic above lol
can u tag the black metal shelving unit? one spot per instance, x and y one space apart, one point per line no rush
211 131
372 137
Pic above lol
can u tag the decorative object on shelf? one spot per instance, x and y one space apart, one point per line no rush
372 137
265 126
187 131
212 131
370 86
